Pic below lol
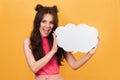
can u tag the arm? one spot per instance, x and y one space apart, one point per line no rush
75 64
35 66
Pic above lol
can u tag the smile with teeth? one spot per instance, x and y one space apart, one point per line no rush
46 31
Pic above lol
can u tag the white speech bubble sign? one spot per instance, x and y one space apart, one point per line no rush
80 38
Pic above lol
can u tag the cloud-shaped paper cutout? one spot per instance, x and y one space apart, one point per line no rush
80 38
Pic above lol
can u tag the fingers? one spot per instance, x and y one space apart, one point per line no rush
55 47
54 35
98 39
93 50
98 42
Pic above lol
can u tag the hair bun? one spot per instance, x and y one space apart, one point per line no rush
38 7
55 9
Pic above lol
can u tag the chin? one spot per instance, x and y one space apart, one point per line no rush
45 35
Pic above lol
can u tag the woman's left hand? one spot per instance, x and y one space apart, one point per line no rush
93 50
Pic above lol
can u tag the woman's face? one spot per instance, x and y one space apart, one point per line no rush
46 25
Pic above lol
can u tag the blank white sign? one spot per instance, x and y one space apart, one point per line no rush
80 38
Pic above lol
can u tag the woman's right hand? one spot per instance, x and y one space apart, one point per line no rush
55 46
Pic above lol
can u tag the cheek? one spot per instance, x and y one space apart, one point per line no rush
42 24
52 26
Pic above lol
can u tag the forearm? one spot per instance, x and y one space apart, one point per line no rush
37 65
33 64
75 64
82 61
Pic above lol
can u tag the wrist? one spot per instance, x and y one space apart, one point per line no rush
52 52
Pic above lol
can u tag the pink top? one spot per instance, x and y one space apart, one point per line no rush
51 67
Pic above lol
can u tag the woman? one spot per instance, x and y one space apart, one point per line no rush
42 53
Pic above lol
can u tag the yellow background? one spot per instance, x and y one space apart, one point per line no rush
16 20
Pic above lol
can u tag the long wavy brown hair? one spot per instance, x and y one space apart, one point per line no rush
35 38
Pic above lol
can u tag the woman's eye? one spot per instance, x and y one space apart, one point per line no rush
43 21
51 22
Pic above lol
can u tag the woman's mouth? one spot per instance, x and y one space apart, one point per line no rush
46 31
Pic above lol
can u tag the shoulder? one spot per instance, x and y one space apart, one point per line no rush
26 41
26 45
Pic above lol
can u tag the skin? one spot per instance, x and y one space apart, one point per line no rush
46 27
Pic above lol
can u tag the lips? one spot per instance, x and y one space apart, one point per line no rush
46 31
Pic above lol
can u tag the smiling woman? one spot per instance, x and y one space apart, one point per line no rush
46 25
16 20
41 50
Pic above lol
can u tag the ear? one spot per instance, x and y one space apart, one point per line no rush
55 9
39 7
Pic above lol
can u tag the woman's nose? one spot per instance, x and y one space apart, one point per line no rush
47 25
